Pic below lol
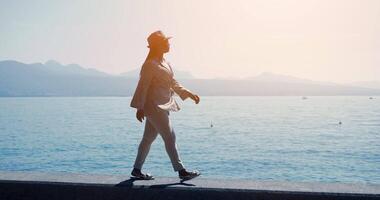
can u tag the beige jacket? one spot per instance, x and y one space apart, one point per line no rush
156 87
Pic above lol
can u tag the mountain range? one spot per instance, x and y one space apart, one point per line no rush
54 79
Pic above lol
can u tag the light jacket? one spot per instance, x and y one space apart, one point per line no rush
156 87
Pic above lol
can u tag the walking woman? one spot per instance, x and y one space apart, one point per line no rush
153 99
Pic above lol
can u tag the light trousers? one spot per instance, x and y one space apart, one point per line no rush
158 122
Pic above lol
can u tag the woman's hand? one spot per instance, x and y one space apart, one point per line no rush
195 98
140 115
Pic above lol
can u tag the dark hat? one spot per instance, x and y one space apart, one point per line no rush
156 37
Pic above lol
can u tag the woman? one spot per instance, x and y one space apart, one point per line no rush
153 99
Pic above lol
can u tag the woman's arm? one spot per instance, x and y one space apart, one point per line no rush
180 90
183 92
139 97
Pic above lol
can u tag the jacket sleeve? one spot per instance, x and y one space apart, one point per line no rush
180 90
146 76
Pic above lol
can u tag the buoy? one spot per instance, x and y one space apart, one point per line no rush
340 123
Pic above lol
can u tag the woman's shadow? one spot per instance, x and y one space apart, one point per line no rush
129 183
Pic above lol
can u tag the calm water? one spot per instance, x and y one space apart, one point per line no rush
260 138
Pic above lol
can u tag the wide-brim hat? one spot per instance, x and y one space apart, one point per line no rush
156 37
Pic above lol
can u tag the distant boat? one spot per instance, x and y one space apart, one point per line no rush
304 98
370 97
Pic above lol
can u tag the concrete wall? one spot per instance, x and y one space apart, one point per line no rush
56 186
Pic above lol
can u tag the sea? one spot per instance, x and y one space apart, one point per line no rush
276 138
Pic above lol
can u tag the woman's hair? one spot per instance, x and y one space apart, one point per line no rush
152 53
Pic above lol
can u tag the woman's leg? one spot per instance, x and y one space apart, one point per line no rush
150 134
160 120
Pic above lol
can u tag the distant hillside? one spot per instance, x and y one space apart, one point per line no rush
272 77
55 67
272 88
54 79
367 84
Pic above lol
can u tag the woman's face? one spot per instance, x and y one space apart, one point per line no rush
165 46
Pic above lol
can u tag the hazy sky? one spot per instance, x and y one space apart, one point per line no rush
327 40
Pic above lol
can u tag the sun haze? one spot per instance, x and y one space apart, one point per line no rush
337 40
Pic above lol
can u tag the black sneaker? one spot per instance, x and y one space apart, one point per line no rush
141 176
189 175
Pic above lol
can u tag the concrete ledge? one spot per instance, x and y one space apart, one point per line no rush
52 186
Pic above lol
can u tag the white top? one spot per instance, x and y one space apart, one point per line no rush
156 87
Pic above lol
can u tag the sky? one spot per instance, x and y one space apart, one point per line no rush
323 40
